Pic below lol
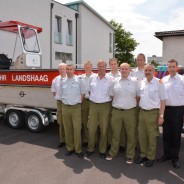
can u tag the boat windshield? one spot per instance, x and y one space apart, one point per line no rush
29 39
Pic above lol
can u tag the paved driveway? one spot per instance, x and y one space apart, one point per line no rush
28 158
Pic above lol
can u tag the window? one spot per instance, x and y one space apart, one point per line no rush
74 6
69 38
57 32
29 40
110 42
63 56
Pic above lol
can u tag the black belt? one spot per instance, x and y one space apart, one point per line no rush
147 110
123 109
182 106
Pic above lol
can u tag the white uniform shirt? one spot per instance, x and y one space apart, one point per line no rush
71 90
151 94
174 87
99 89
124 92
114 76
55 87
139 74
85 78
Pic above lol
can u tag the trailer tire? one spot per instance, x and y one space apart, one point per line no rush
15 118
34 122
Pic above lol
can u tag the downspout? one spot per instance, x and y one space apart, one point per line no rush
51 8
76 16
114 44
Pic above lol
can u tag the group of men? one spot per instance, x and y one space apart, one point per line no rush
126 107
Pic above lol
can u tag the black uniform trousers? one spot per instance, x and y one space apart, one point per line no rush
172 128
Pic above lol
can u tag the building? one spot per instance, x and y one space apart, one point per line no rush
173 45
71 33
156 59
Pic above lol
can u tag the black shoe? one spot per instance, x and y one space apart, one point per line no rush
60 144
176 164
68 153
121 149
84 144
102 155
163 159
140 160
88 153
80 155
149 163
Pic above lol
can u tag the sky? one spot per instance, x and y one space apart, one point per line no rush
142 18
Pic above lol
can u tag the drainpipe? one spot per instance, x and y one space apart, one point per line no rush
76 16
51 8
114 44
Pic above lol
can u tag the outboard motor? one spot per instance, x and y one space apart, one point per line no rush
5 62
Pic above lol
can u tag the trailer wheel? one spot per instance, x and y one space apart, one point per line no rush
15 118
34 122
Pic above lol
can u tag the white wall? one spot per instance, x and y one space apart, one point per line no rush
37 13
94 37
66 14
155 58
93 33
32 12
173 48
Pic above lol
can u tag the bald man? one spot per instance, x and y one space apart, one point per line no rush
124 92
152 107
56 82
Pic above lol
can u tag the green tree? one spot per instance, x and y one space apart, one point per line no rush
124 44
153 62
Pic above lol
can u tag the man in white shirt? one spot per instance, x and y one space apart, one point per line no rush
152 106
55 90
174 113
139 71
124 92
139 74
72 94
100 105
113 63
114 73
85 103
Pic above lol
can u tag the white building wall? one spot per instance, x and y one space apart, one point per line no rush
93 32
155 58
38 13
173 48
94 37
66 14
32 12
